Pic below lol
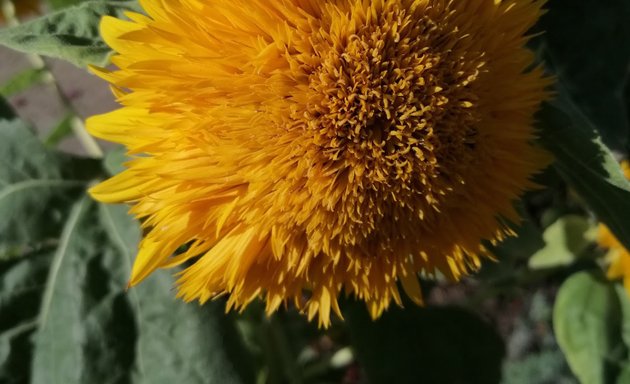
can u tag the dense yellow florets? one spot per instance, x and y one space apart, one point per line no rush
305 148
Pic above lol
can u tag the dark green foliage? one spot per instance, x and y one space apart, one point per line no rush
588 166
438 345
586 45
36 187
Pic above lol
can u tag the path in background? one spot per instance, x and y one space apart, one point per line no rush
40 105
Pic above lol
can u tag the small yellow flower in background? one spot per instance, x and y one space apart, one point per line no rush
618 256
305 148
23 8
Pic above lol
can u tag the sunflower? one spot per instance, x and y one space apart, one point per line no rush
22 8
305 148
618 256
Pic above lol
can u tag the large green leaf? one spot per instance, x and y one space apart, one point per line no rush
624 376
85 322
115 160
586 43
426 345
588 166
70 34
59 4
21 283
86 328
91 330
36 187
624 300
586 324
176 342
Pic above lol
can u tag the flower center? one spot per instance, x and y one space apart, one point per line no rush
393 106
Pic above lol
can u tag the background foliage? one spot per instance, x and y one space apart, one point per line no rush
544 313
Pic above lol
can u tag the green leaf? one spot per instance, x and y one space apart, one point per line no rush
91 330
85 321
115 160
70 34
624 376
428 345
6 111
586 323
21 283
587 165
59 4
624 300
587 44
22 81
201 344
565 240
86 327
37 186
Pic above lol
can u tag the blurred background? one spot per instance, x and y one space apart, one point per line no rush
36 98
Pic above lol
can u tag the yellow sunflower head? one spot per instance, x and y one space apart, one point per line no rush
304 148
618 256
